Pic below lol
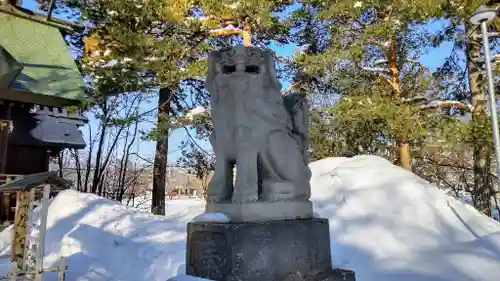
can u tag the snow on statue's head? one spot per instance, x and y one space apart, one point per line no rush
239 69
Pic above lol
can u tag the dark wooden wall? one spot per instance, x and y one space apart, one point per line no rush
16 159
22 156
21 160
25 160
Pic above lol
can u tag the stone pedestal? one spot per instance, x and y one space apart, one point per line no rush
261 251
263 211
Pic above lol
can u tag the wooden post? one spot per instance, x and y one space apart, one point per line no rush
5 207
40 247
20 227
29 263
5 210
5 126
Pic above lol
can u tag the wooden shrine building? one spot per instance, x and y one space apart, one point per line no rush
38 80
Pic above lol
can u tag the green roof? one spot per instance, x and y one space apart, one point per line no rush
49 75
9 68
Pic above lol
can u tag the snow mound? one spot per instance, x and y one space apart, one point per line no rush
106 241
386 224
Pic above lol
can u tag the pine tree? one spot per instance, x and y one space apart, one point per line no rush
165 44
369 53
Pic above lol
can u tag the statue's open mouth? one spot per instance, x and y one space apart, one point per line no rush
250 69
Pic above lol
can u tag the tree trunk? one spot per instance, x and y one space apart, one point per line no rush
160 162
78 168
60 163
402 144
125 159
88 162
97 169
483 190
100 146
101 166
393 69
403 152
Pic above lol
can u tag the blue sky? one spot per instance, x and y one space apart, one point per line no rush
431 60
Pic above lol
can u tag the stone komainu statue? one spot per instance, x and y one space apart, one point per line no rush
256 129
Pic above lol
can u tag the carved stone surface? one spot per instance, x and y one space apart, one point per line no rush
210 252
256 129
329 275
260 251
263 211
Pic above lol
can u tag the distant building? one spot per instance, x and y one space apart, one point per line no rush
181 183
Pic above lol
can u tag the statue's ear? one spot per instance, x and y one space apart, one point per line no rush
271 71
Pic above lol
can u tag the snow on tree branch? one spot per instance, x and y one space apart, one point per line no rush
380 61
195 111
432 104
375 69
448 104
416 99
383 45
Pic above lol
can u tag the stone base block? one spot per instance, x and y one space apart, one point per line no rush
263 211
259 251
334 275
331 275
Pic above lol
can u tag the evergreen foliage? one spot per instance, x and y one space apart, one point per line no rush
369 54
149 45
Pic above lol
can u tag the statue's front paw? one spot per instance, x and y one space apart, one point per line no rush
217 198
244 198
274 197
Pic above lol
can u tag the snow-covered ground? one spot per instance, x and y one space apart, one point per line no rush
386 224
143 202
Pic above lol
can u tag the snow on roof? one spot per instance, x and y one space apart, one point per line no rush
30 181
386 224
